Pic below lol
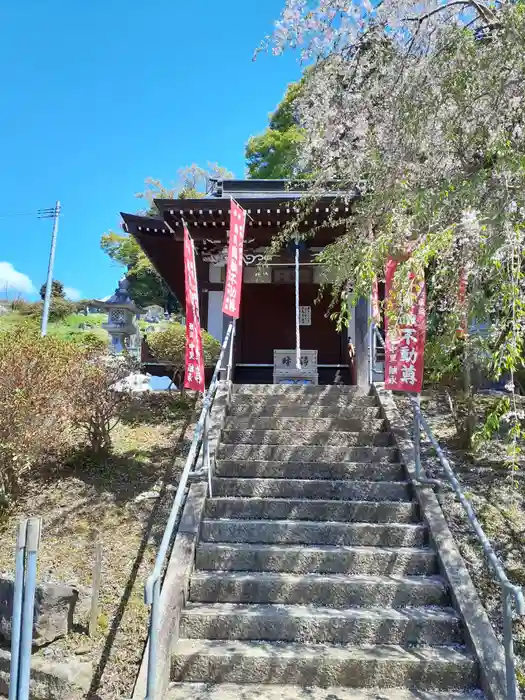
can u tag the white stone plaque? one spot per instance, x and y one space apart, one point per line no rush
305 315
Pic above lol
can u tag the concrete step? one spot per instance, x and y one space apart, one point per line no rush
374 425
291 623
214 661
311 532
300 453
340 400
280 410
326 590
335 438
335 471
295 389
254 691
314 489
294 559
296 509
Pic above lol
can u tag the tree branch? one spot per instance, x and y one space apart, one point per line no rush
485 12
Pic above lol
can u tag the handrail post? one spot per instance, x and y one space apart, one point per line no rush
371 351
508 590
508 642
417 438
199 445
17 609
230 356
151 680
206 454
28 607
229 373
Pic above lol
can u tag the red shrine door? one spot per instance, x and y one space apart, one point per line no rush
267 323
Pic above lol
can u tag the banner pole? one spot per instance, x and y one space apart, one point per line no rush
297 319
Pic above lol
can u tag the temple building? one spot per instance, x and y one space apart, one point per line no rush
266 329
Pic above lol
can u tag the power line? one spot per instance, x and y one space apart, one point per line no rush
47 213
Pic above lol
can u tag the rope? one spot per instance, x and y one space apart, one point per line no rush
297 329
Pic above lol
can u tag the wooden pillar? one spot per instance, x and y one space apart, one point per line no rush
361 344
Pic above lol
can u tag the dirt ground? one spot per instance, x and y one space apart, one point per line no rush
86 500
497 494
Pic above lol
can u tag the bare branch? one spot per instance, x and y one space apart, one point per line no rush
485 12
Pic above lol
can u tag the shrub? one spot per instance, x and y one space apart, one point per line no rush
57 290
51 391
26 308
38 379
60 308
89 340
101 397
169 345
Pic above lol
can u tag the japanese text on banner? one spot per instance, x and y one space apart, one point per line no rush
194 360
405 339
232 290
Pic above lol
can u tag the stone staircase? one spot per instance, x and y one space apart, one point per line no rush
314 578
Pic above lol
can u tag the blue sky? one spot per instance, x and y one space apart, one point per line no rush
97 95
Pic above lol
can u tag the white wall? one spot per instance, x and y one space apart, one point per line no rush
215 314
215 273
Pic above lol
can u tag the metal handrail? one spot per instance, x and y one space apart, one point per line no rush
375 335
509 591
152 588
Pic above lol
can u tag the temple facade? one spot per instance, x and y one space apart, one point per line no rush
266 329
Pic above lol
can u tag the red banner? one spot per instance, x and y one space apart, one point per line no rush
405 340
194 360
232 289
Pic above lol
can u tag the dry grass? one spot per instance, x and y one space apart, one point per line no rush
497 494
85 501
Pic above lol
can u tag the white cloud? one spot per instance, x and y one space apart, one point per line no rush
11 280
72 294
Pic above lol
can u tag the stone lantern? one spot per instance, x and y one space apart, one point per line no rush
122 324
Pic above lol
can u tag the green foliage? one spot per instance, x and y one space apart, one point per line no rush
193 183
77 320
146 286
91 341
84 330
121 248
418 114
275 152
51 390
28 309
12 320
59 308
100 398
57 290
442 360
492 422
37 381
169 346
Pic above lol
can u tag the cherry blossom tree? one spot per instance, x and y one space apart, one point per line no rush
417 108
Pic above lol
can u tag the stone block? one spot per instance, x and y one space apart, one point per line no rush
54 608
51 680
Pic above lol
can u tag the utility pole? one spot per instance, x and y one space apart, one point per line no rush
48 214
